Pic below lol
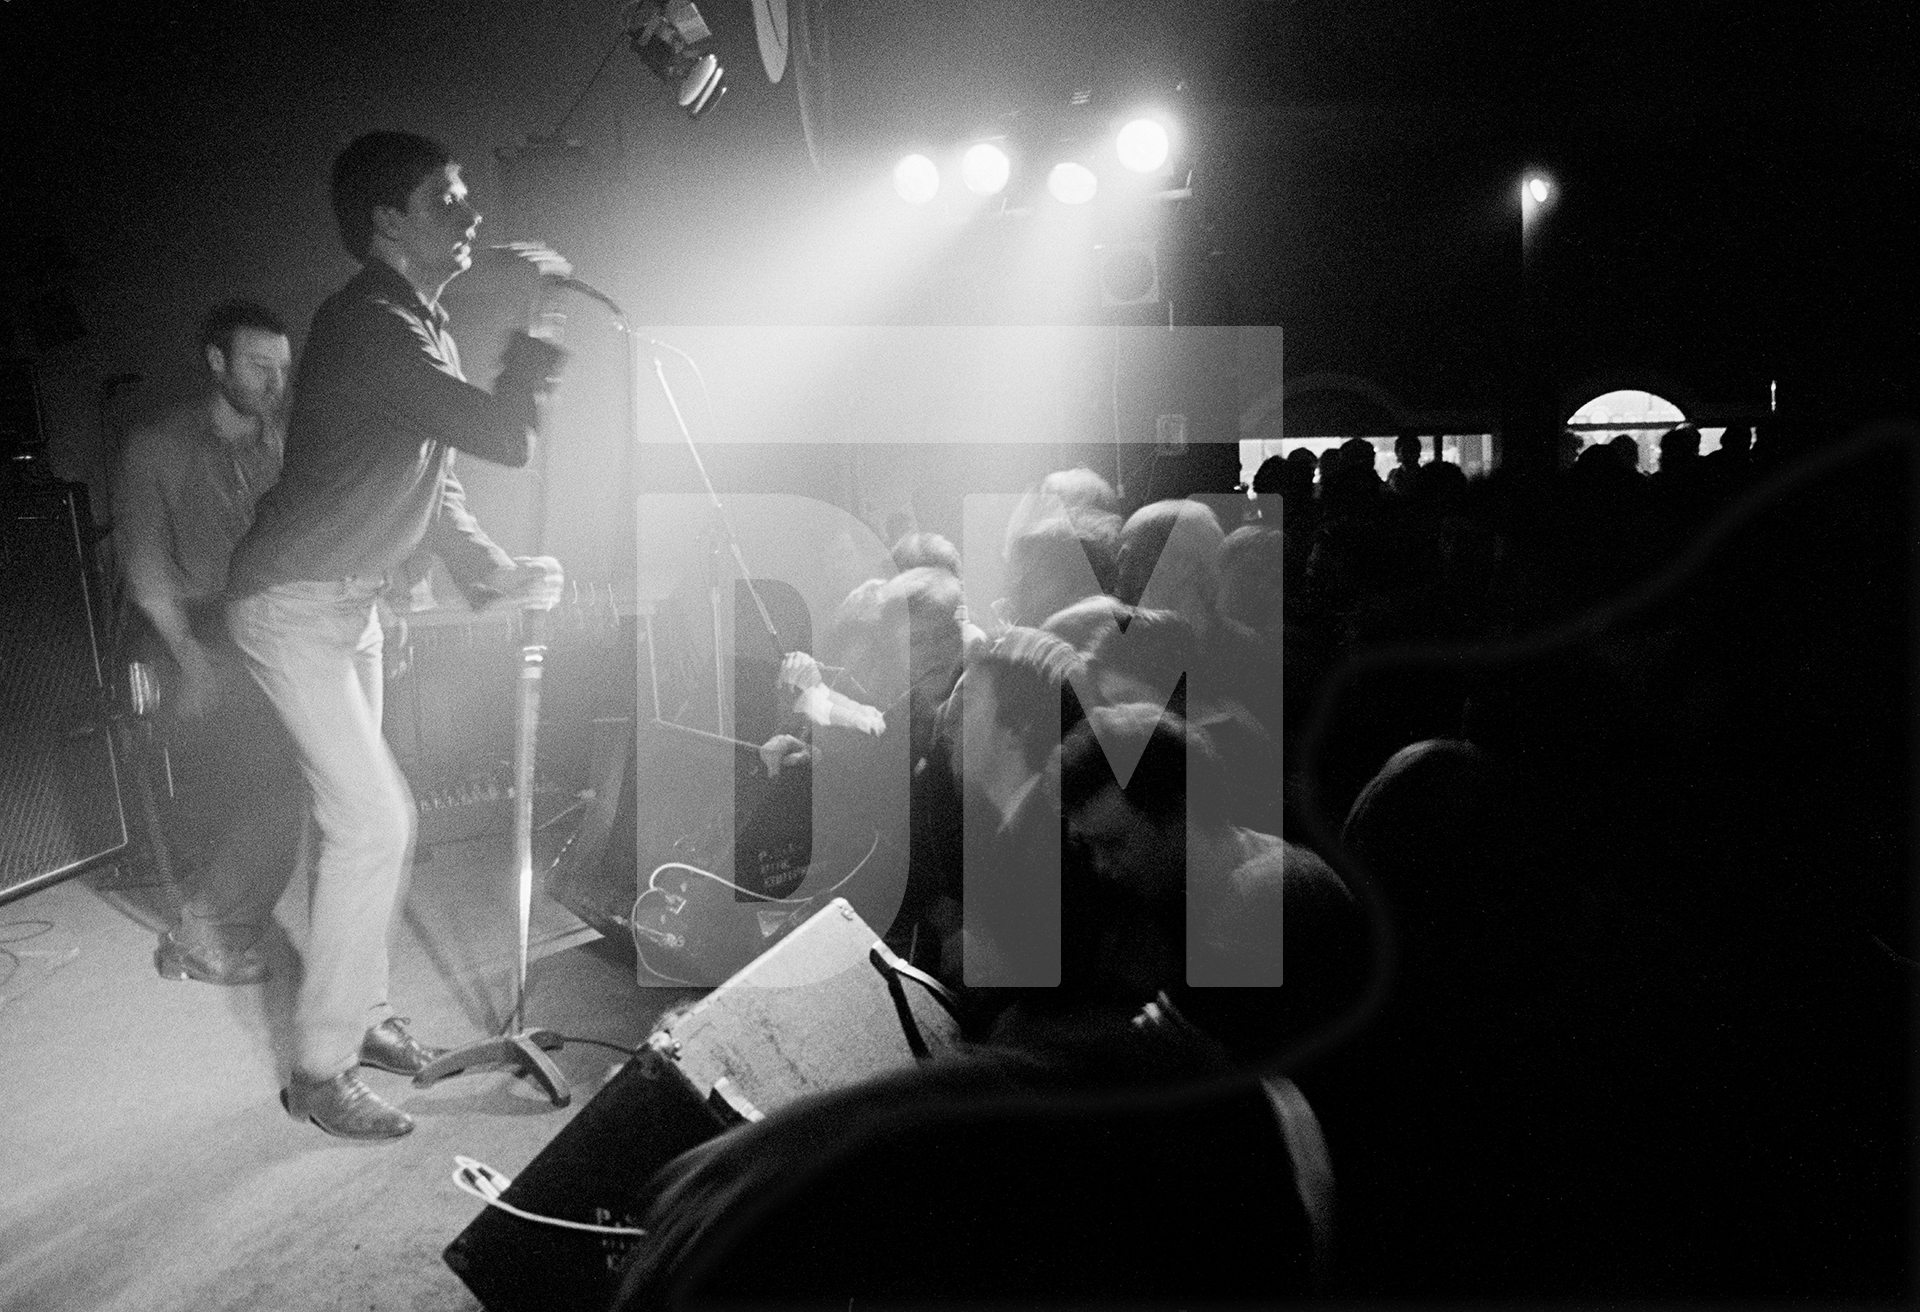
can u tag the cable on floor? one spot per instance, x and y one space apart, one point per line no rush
599 1043
483 1182
12 959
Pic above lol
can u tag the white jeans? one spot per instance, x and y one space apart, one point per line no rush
315 650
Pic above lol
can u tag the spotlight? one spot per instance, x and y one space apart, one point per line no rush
916 179
1143 145
1072 184
1129 274
984 168
667 34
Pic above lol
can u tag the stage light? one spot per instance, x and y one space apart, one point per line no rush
1143 145
1129 274
985 168
1538 189
916 179
1072 184
667 35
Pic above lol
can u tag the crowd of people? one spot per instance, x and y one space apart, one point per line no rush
1591 977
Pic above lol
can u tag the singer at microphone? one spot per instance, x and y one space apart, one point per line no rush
380 407
556 272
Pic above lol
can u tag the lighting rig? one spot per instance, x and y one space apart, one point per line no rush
1135 156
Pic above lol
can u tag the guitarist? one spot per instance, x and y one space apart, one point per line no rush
183 495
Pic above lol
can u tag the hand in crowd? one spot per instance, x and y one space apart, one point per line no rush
783 749
531 582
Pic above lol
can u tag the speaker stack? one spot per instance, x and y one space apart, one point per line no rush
60 810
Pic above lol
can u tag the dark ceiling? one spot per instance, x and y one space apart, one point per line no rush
1738 179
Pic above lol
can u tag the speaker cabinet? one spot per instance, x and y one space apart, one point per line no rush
60 808
827 1007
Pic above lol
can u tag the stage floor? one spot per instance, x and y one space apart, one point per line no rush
148 1163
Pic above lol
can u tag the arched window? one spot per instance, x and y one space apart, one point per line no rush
1639 415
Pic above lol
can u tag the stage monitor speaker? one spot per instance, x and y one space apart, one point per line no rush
826 1008
592 1172
60 810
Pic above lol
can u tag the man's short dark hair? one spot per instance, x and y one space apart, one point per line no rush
380 168
223 321
1177 761
1032 675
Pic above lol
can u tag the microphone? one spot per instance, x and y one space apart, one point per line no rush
539 256
588 289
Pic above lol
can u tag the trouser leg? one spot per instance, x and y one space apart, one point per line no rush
238 772
316 655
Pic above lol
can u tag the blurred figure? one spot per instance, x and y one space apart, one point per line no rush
1350 487
900 645
1406 450
1627 449
1251 578
1082 623
1215 915
931 550
1679 450
1054 564
1730 468
1304 468
1161 661
1078 495
183 496
1003 726
1167 559
1270 479
913 550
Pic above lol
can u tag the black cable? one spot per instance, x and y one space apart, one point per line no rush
12 959
581 98
599 1043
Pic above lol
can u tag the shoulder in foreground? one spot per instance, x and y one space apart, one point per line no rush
1265 857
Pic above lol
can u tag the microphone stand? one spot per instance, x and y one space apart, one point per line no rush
726 531
517 1046
634 341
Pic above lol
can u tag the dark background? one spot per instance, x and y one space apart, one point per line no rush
1736 186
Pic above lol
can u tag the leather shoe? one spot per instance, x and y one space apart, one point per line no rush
344 1106
388 1047
211 963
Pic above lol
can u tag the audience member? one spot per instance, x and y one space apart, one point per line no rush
1217 916
1054 564
1167 558
1406 473
995 843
